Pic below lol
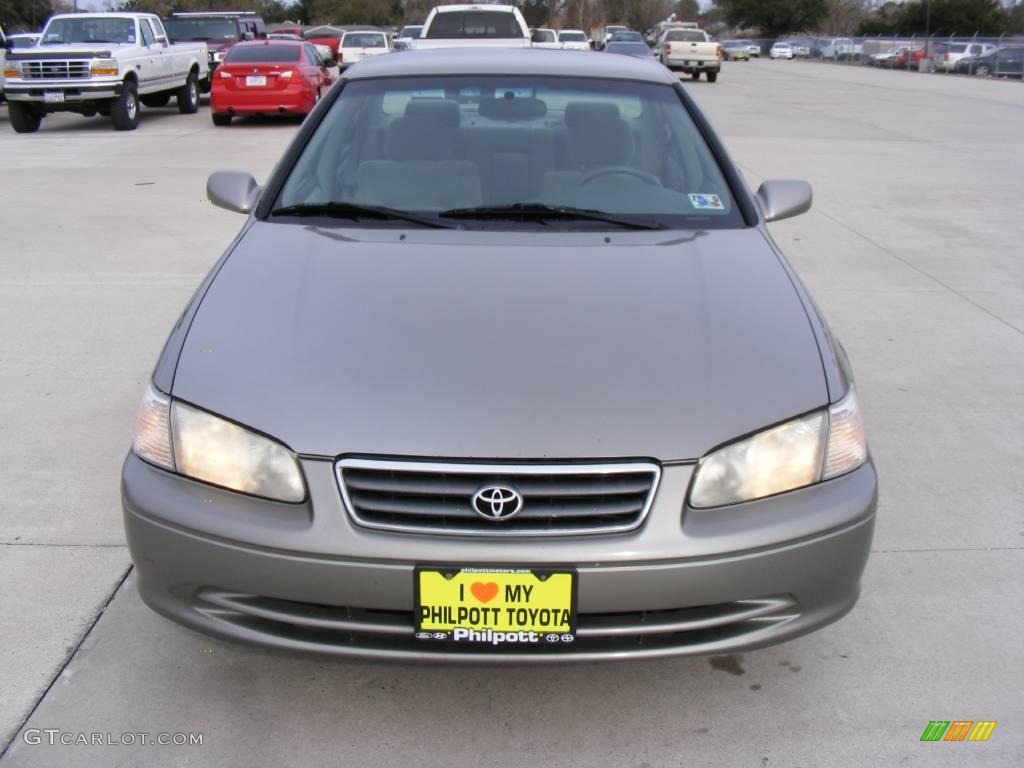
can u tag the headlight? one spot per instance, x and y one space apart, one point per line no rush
793 455
104 67
12 69
213 450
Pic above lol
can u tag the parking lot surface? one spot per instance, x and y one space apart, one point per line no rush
913 250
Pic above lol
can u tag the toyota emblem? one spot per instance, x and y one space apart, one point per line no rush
497 502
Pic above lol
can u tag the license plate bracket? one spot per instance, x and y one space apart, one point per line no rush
53 97
495 606
255 80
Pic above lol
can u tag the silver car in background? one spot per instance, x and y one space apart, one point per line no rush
503 366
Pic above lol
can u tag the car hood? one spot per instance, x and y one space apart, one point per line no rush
501 345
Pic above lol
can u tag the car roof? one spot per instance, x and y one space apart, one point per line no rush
452 8
509 61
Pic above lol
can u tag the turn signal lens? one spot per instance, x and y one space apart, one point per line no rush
847 444
104 67
152 429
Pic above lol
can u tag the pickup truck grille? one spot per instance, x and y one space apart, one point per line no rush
55 70
556 499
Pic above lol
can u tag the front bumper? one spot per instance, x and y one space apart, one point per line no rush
75 92
285 576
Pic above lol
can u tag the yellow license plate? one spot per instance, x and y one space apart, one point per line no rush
496 606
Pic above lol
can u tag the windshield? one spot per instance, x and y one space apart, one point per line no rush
89 29
22 41
363 40
412 32
202 29
436 145
572 37
501 25
544 36
252 54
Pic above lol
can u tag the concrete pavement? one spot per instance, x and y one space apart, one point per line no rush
913 250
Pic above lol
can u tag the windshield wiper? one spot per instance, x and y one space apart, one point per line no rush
542 212
355 212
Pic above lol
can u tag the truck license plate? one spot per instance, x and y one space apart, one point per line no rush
693 63
53 97
256 80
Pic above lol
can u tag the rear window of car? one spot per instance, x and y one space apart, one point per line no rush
685 36
501 25
572 37
544 36
255 54
362 40
322 33
434 145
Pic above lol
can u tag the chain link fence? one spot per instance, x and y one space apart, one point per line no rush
979 56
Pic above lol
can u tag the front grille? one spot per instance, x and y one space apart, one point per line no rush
54 70
557 499
389 633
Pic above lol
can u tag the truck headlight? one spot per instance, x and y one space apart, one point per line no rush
204 447
12 69
104 67
792 455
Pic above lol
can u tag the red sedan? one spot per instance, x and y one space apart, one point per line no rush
267 77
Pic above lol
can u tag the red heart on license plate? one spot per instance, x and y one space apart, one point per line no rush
484 592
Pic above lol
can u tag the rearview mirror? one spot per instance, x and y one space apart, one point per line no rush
784 198
233 190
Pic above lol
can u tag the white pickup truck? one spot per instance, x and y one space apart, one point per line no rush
690 50
102 63
474 26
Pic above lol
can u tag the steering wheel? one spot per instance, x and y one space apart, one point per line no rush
621 170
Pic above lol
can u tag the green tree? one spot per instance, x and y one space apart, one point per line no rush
775 17
687 10
947 17
18 15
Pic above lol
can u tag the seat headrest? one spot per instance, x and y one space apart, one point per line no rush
581 112
512 109
439 111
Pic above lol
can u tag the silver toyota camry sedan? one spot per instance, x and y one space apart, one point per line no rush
502 366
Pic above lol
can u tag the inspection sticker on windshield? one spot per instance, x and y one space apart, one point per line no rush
496 606
706 202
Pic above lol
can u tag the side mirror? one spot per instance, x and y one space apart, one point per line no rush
784 198
234 191
248 36
161 39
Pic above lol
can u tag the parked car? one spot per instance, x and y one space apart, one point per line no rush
908 59
23 40
356 46
218 29
802 48
318 468
692 51
102 63
268 77
627 36
474 26
573 40
607 33
753 47
1004 62
544 38
638 50
410 33
325 35
734 50
781 50
952 53
885 59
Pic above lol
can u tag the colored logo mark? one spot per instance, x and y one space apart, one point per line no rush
958 730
